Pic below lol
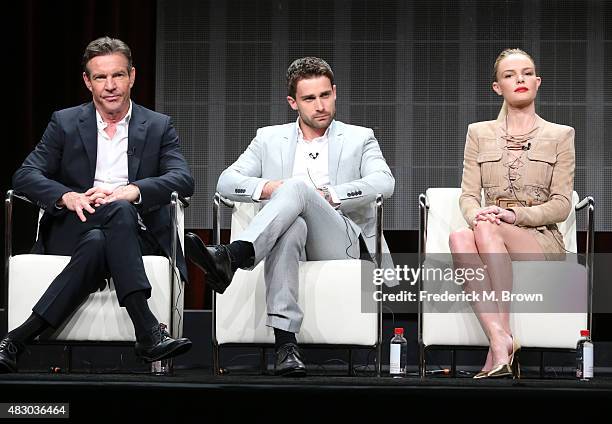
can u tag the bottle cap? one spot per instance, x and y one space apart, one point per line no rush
399 330
585 333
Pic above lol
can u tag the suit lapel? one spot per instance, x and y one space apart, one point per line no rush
336 140
288 151
137 133
88 130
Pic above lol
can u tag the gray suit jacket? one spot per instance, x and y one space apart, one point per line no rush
357 171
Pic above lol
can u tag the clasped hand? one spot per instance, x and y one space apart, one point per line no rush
494 214
271 186
96 196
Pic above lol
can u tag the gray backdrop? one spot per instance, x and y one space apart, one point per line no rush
417 72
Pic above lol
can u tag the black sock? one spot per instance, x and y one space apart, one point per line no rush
141 316
281 337
29 330
242 253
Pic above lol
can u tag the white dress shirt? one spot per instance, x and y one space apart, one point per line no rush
311 162
112 161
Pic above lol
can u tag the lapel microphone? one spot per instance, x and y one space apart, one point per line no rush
131 151
527 147
313 155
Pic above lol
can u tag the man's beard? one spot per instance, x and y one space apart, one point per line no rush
313 123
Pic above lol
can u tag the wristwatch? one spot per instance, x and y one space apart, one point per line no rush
327 194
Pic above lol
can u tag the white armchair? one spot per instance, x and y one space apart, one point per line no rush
99 318
558 329
330 296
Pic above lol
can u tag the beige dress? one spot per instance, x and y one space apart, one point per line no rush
531 174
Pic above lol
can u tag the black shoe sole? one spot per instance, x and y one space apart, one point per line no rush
177 350
196 252
6 368
299 372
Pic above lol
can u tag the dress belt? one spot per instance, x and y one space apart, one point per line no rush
514 203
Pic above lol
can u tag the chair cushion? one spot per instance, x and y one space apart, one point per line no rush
330 296
99 318
562 284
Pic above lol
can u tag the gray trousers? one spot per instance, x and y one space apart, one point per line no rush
296 224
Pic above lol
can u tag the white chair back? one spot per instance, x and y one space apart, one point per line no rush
444 217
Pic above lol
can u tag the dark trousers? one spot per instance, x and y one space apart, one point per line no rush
109 244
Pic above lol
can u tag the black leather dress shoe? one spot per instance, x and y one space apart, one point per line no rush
289 361
9 350
162 347
215 261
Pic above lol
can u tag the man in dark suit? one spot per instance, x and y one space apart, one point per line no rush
103 172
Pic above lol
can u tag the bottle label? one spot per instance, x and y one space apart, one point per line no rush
394 361
587 357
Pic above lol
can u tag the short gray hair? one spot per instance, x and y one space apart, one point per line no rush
103 46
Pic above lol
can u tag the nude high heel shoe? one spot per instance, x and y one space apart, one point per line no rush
512 368
481 374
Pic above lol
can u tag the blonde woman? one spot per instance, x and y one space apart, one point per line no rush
525 165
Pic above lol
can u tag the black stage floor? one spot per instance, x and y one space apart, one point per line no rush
195 392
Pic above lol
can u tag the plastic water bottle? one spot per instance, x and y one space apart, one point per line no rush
398 354
584 356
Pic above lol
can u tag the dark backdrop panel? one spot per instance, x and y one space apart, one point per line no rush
42 68
41 73
416 72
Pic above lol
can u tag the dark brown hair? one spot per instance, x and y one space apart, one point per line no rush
307 67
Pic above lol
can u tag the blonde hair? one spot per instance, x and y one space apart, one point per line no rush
504 54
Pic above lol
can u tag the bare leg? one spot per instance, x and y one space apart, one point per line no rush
496 243
492 250
465 255
520 243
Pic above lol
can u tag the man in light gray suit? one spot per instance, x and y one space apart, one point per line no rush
318 178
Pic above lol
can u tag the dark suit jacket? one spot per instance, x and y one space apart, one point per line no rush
65 160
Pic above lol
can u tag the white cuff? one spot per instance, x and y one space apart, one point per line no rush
139 201
257 193
334 196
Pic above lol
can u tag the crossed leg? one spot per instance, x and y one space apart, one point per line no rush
492 246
